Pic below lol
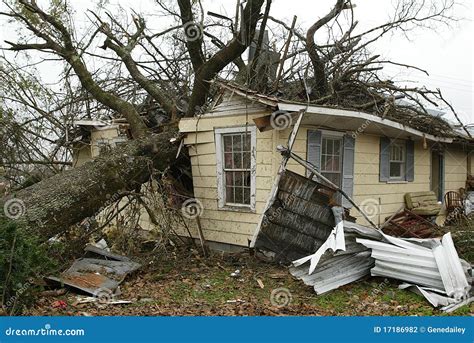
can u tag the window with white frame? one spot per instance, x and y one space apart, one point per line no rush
235 149
331 159
397 160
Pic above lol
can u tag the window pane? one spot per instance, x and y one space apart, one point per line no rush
239 197
331 154
229 192
238 179
395 169
227 143
335 164
229 178
237 165
246 160
397 153
334 178
237 142
323 162
237 160
247 179
337 147
246 195
228 160
247 143
329 165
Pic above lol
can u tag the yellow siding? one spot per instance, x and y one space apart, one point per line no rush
220 225
455 169
382 199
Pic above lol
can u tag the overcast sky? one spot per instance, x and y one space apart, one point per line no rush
446 53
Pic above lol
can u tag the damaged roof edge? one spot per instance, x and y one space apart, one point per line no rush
284 105
291 107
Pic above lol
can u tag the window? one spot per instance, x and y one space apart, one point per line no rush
397 161
333 154
235 148
331 159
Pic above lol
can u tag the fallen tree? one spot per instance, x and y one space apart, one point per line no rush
53 205
340 72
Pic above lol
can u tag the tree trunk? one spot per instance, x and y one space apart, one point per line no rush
56 203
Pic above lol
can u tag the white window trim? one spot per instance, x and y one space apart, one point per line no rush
402 144
341 154
218 133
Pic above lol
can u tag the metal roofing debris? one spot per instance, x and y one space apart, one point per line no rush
431 263
432 266
335 271
300 224
299 220
95 275
349 262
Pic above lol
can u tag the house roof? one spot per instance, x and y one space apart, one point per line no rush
430 126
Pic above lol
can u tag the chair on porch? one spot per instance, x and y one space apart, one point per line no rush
454 205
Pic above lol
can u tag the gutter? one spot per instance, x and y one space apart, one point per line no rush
361 115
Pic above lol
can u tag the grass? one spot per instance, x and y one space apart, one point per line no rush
190 285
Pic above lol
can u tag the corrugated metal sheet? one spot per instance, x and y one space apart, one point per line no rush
431 266
326 271
93 275
335 271
299 225
299 220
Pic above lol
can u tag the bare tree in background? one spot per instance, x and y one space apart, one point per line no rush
153 78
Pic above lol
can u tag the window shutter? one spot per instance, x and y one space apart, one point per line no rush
348 169
410 165
313 153
384 173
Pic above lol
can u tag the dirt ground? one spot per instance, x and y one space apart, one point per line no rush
185 284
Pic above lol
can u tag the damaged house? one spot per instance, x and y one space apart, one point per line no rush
375 161
235 159
298 180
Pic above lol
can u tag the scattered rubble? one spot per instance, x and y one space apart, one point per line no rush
98 274
302 224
